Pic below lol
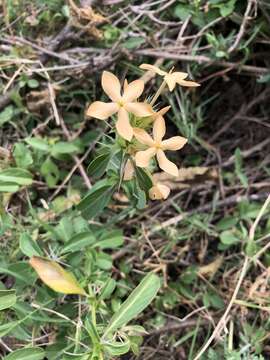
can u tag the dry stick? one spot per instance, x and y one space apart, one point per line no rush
247 261
201 59
247 153
176 219
17 39
5 99
243 110
17 72
228 201
52 99
242 27
176 326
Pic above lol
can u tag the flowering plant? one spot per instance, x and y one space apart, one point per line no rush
127 161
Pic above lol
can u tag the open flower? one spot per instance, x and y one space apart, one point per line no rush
54 276
121 103
157 146
159 192
171 78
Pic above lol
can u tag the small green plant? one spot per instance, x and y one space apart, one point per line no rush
101 330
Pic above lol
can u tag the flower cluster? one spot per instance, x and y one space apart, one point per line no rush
130 112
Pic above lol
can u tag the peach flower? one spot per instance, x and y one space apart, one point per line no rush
171 78
157 146
121 104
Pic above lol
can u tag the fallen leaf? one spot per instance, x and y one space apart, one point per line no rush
36 100
85 18
187 177
212 268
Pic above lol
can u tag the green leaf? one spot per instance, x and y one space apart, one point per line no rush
21 271
107 289
141 197
32 83
110 240
6 115
16 175
38 143
78 242
96 200
143 178
92 331
117 348
98 166
8 187
238 168
28 246
22 155
227 223
264 79
7 299
137 301
182 11
33 353
228 238
104 261
63 147
50 171
133 42
227 8
6 328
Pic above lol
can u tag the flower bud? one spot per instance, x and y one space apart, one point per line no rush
159 192
54 276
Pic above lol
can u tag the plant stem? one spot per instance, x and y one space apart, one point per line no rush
78 327
159 91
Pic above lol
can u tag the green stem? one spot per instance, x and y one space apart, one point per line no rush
93 315
78 328
160 89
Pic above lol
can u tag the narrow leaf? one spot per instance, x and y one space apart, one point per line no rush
34 353
137 301
7 299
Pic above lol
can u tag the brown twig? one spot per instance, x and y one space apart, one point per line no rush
243 26
201 59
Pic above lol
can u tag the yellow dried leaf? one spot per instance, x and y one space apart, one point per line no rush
56 277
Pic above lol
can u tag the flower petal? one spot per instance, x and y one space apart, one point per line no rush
159 129
142 136
171 81
159 192
125 84
163 110
165 164
177 75
54 276
123 126
142 158
188 83
128 171
153 68
102 110
111 86
139 109
174 143
133 91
